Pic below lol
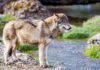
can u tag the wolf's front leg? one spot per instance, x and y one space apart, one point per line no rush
14 52
42 56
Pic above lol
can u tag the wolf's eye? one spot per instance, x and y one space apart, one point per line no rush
60 22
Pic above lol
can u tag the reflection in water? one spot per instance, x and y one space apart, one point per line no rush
81 11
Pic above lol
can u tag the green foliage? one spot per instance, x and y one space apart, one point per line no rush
27 49
90 28
93 52
93 26
6 18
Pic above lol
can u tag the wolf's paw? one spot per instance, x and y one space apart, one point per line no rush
7 63
44 66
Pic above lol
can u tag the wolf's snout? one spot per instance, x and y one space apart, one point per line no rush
67 28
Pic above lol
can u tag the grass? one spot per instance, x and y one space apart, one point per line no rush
89 28
93 52
6 18
93 26
27 49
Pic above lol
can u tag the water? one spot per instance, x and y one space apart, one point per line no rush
80 11
70 55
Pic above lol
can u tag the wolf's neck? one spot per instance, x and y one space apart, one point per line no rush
51 23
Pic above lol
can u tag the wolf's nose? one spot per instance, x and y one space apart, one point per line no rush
69 28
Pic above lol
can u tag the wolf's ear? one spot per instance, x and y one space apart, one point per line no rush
56 14
45 27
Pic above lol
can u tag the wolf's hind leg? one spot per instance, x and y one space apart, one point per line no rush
7 52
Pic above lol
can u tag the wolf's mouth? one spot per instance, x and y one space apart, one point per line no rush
66 28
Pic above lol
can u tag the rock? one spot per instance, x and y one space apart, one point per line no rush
27 9
23 57
94 41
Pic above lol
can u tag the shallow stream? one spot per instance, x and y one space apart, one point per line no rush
69 54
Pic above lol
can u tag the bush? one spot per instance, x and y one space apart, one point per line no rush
93 52
93 26
90 28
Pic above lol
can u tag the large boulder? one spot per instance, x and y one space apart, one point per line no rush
27 9
94 41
